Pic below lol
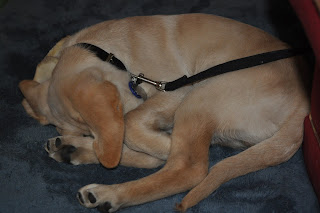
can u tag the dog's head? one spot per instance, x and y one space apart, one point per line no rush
85 104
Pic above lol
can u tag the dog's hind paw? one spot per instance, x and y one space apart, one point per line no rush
98 196
71 149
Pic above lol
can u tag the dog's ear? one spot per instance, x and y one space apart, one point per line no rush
35 98
35 91
108 147
99 105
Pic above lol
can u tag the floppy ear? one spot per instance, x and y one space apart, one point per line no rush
35 99
35 91
100 107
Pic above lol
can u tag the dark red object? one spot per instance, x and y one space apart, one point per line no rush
309 16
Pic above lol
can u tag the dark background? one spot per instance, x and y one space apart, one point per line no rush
31 182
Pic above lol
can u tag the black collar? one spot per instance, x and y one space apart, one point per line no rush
103 55
110 58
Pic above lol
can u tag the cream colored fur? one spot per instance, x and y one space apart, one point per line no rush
260 109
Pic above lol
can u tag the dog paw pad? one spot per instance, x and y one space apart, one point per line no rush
104 208
58 142
91 198
66 152
79 196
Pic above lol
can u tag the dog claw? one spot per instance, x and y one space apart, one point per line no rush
104 208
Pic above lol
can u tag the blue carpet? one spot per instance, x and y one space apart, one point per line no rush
31 182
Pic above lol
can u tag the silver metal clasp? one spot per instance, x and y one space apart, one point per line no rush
137 79
110 57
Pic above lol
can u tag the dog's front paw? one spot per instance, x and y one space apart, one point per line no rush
59 152
102 197
71 149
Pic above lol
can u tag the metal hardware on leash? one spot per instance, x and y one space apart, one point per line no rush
136 79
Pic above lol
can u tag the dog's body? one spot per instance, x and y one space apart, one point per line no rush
261 108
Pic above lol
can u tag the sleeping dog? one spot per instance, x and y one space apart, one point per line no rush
259 109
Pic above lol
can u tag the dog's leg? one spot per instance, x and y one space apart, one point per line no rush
79 150
275 150
186 166
132 158
147 124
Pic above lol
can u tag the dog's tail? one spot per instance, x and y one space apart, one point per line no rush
274 150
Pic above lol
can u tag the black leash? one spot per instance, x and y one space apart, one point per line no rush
230 66
238 64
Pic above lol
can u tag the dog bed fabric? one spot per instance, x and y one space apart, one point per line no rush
31 182
309 15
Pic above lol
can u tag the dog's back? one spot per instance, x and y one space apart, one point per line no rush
262 107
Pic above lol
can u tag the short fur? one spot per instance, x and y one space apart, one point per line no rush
259 109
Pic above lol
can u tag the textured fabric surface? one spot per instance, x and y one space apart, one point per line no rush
310 18
311 151
31 182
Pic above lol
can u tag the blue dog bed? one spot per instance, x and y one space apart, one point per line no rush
32 182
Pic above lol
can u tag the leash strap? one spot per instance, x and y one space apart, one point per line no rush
238 64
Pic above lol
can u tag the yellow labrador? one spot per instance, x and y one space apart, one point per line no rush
260 108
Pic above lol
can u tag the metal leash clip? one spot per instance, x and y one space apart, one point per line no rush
137 79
